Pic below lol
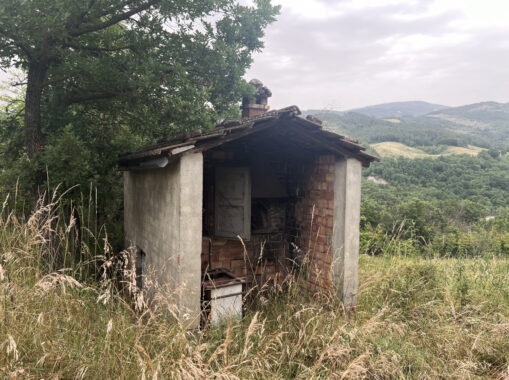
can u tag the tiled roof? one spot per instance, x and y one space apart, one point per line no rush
229 131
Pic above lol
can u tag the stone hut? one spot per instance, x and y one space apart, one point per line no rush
256 197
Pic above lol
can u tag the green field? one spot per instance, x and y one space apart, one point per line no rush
396 149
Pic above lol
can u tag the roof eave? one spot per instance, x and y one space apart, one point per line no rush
233 130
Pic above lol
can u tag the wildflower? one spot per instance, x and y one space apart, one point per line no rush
329 319
415 314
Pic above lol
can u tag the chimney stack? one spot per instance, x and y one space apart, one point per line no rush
256 105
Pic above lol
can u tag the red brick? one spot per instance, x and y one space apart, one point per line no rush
322 170
218 242
322 203
315 194
237 264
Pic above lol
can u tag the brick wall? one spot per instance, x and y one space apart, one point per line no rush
231 255
224 253
309 226
314 215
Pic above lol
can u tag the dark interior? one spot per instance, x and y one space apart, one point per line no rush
278 159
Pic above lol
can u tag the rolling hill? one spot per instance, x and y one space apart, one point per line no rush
399 109
484 125
387 110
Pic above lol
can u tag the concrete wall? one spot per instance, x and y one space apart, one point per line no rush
345 242
163 217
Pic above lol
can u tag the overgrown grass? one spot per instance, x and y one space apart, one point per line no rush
416 318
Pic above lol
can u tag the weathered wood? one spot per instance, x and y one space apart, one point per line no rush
232 202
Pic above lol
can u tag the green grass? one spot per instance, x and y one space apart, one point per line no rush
416 318
396 149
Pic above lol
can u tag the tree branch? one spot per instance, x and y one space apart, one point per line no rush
82 16
84 13
113 20
13 38
97 48
98 96
20 112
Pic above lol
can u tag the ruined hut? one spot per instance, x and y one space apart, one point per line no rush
248 201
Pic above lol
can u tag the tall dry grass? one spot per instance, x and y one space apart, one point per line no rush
416 319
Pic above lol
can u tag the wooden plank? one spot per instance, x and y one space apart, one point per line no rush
232 202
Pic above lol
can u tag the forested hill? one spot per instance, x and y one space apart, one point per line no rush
399 109
451 164
484 125
394 109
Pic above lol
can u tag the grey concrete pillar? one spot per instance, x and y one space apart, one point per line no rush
190 238
163 218
345 240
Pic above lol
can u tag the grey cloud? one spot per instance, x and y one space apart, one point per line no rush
341 62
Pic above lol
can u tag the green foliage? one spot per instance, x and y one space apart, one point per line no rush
113 77
457 178
433 206
437 206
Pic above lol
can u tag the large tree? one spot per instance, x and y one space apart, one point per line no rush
109 75
168 52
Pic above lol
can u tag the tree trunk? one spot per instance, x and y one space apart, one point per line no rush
34 138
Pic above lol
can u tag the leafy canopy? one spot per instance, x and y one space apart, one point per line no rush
167 62
106 76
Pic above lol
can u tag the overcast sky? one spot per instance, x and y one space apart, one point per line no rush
342 54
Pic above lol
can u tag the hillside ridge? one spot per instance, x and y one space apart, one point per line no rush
484 125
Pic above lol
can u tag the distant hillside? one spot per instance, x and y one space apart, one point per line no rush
484 125
315 112
482 112
395 149
412 131
399 109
